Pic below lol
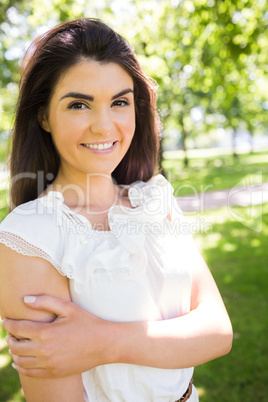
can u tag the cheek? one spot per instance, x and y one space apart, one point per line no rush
72 129
130 125
133 126
67 130
61 135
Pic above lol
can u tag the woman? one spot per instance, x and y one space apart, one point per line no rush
131 304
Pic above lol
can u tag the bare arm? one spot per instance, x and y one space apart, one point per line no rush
197 337
21 275
203 334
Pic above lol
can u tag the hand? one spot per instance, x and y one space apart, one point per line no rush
71 344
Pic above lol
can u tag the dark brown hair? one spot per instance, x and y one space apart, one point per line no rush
34 161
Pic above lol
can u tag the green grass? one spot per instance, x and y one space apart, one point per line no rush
209 173
238 259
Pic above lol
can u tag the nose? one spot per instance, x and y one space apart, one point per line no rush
102 122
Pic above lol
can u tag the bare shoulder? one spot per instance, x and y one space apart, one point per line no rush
23 275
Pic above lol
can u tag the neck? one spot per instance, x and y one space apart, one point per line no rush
95 191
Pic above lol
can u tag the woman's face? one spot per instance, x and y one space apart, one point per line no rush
91 117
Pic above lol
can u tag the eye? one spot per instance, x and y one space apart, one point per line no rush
77 106
120 103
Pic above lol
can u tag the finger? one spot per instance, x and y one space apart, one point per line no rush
27 362
35 372
60 307
23 329
21 347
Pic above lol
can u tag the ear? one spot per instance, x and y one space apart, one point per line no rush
43 120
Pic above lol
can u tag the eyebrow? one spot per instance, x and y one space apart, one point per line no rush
78 95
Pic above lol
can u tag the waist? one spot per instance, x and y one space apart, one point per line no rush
120 381
187 393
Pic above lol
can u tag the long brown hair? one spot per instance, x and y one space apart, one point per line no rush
34 162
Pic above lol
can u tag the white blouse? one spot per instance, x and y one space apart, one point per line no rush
138 271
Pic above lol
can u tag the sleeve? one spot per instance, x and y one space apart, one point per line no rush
35 231
181 226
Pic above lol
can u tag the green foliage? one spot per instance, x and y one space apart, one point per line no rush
3 151
4 147
207 56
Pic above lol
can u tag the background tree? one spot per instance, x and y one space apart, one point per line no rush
209 57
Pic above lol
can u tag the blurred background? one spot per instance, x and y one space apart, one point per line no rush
210 60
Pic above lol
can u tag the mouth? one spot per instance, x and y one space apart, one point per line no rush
100 146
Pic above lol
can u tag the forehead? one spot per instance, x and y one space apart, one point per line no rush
92 77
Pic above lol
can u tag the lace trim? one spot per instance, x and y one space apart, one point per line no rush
21 246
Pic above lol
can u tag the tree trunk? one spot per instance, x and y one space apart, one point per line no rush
185 159
250 130
235 155
183 143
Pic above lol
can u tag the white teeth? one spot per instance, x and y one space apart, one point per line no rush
107 145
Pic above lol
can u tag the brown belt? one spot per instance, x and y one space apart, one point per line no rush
188 392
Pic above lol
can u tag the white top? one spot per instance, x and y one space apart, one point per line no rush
137 271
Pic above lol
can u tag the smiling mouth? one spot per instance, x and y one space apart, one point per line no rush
105 145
